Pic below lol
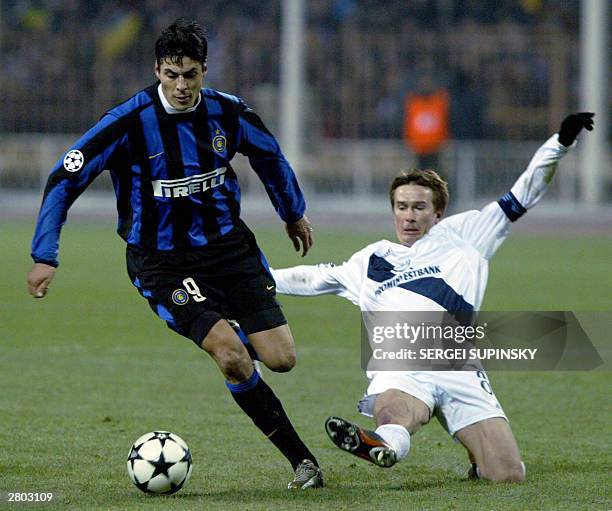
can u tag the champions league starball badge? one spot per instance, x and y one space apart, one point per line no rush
73 161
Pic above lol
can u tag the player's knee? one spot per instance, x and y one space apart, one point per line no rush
503 473
511 475
281 362
229 353
235 364
275 348
516 473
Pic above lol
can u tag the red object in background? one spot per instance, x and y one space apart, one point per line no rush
426 120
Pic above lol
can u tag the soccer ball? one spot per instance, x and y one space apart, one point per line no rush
159 462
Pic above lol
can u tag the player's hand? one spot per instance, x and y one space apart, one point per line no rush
572 125
301 231
39 278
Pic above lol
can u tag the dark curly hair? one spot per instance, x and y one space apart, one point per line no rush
184 38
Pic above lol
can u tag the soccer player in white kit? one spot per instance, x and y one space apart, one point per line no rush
438 265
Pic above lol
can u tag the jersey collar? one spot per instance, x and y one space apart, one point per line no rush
170 109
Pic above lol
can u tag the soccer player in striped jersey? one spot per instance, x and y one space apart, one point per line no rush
168 150
437 265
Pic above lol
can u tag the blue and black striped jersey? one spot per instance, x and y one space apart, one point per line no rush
174 184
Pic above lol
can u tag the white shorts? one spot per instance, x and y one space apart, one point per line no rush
457 398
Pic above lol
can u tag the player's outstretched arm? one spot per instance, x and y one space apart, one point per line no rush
39 278
345 280
487 229
307 280
301 232
532 184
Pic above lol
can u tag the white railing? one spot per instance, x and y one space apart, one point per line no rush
357 169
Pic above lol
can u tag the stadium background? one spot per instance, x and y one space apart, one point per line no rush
511 68
87 370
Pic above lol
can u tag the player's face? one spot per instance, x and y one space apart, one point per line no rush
181 84
413 213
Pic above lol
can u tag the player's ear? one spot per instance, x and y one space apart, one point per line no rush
156 68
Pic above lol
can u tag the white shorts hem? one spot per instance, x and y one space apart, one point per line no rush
473 420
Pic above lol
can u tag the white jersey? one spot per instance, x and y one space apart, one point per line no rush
445 270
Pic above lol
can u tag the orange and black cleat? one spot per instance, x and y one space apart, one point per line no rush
361 442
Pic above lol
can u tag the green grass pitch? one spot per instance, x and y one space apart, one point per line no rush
87 370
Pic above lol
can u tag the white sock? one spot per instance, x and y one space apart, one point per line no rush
397 437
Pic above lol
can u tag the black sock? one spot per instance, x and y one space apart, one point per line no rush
258 401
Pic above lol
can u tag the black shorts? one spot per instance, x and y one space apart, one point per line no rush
192 290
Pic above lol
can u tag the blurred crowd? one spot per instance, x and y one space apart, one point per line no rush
65 62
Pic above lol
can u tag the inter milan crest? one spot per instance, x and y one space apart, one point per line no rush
219 142
180 297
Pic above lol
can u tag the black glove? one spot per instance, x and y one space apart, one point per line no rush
571 126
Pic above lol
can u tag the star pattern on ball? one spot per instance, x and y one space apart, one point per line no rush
159 462
162 436
161 466
134 455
